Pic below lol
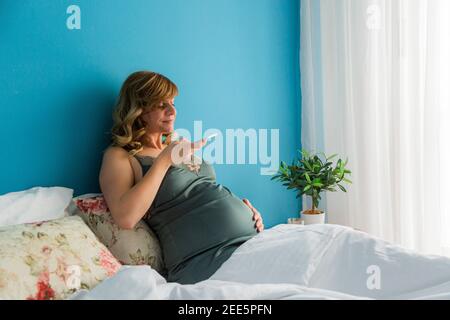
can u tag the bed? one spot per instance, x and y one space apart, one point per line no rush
286 261
298 262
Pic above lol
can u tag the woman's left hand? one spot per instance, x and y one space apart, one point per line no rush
259 225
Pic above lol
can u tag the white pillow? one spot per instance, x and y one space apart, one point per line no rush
35 204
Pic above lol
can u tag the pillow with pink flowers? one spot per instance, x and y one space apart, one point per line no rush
51 259
137 246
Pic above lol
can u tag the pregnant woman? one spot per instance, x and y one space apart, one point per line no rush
145 175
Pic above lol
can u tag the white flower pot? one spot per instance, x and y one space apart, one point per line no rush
316 218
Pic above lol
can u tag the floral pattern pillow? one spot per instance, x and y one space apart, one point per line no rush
137 246
51 259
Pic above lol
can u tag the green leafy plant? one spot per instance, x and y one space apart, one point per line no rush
313 174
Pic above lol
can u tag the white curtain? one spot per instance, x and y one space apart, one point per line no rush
375 79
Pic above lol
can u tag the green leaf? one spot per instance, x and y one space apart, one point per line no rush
346 161
305 154
342 188
306 188
308 165
317 184
331 157
328 164
307 177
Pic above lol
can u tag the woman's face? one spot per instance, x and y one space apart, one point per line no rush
160 119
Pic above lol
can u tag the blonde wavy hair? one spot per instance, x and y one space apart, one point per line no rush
141 90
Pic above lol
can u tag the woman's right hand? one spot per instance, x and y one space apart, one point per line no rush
180 151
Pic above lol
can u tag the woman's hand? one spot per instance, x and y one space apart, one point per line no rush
181 151
259 225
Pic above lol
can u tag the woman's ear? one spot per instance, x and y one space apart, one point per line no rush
141 118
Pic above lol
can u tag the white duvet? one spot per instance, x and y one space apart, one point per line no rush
298 262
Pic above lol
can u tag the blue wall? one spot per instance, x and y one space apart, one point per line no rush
235 62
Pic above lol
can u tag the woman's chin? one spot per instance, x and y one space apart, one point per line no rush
167 128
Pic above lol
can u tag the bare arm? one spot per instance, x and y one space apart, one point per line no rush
128 203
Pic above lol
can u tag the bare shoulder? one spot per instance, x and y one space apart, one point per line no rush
116 171
115 153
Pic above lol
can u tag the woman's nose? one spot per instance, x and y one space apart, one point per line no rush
171 110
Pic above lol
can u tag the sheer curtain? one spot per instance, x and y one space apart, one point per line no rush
375 88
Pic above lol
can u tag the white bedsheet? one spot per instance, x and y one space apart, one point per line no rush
298 262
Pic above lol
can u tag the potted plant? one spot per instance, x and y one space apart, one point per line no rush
311 175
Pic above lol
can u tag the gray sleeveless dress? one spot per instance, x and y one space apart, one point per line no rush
199 223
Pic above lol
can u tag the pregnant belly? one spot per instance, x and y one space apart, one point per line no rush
217 222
